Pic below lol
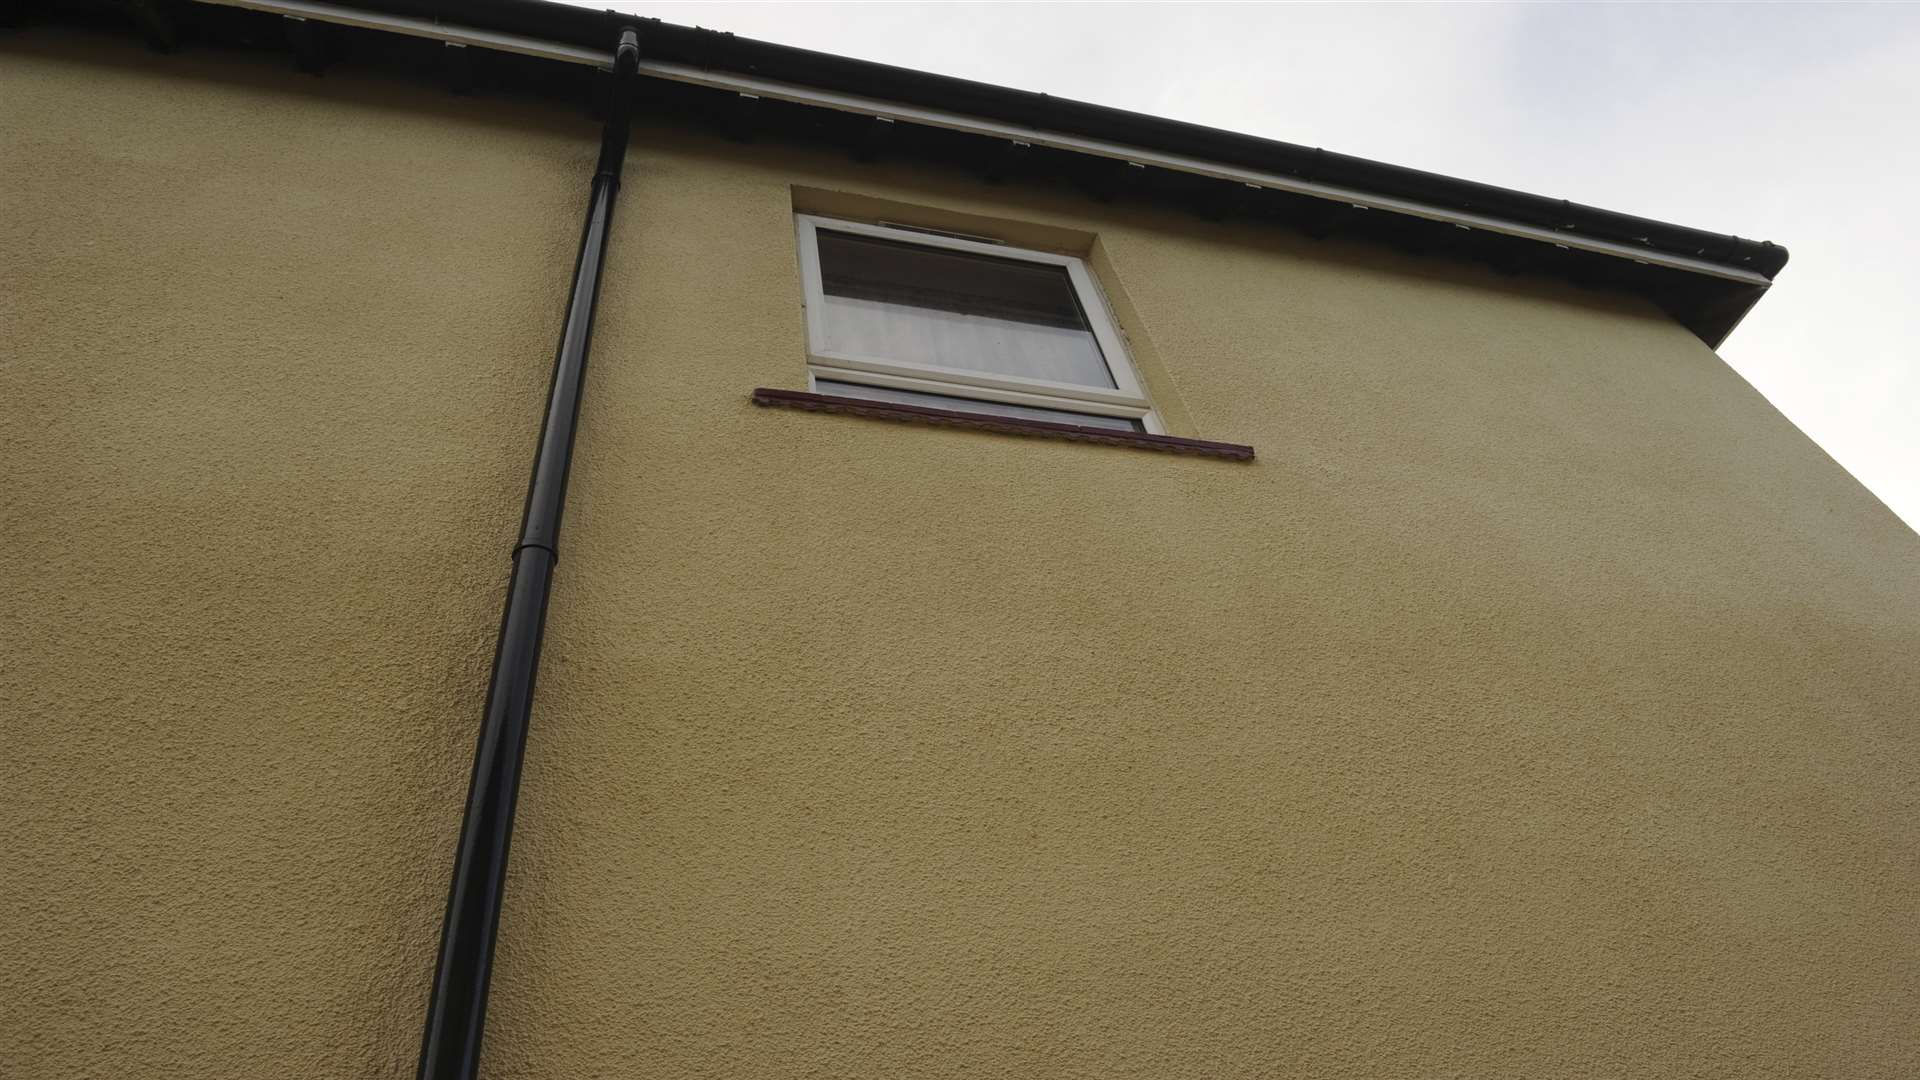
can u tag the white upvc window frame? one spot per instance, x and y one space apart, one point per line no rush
1127 398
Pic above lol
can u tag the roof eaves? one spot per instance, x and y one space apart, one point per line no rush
723 62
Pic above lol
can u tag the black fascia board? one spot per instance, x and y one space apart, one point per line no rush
1700 297
717 50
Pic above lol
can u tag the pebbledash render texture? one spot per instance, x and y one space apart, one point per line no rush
1487 683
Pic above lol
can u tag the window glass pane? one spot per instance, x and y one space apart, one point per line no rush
989 408
893 301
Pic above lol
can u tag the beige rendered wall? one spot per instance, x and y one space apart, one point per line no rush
1540 703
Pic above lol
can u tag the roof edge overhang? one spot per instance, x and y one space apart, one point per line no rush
1707 281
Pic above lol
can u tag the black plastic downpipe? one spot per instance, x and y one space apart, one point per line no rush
457 1010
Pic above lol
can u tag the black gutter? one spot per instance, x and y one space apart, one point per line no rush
715 50
457 1009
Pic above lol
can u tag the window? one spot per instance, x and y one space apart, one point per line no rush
964 325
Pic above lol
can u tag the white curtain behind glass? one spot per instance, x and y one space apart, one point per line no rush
969 342
893 301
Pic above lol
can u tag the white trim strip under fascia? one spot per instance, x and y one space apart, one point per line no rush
438 31
974 125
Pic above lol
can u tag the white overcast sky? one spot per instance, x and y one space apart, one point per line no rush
1798 124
